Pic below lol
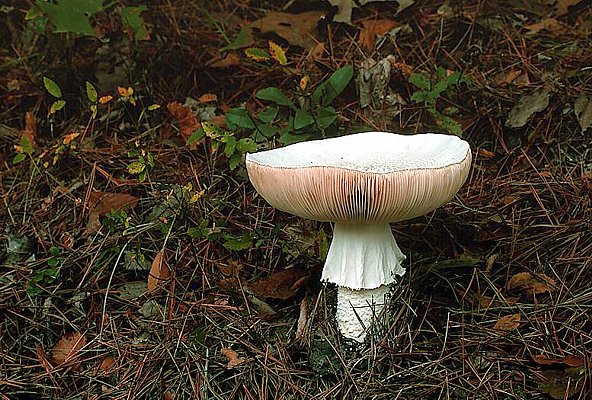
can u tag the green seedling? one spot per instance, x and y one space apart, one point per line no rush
295 118
45 276
432 89
142 165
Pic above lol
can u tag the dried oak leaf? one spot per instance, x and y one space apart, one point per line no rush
232 356
68 348
185 119
297 29
107 364
374 28
507 323
280 285
159 272
102 203
536 284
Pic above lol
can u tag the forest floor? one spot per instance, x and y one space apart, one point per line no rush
138 262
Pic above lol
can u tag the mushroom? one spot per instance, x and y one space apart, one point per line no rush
361 182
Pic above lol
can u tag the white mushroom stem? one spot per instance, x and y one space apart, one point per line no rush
363 261
357 309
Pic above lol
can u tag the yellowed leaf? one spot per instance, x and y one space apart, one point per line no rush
304 82
68 349
232 356
297 29
530 283
373 28
125 91
278 53
159 272
207 98
69 137
507 323
105 99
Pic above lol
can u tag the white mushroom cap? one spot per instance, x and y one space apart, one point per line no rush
364 178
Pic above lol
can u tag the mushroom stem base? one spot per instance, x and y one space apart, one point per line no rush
357 310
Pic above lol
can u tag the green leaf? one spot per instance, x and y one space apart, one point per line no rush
131 17
242 242
419 96
71 15
268 131
302 119
52 87
34 12
325 117
276 96
268 115
19 158
422 81
327 91
240 117
136 167
57 106
195 136
257 54
243 39
91 92
52 262
246 145
287 137
26 145
234 161
230 146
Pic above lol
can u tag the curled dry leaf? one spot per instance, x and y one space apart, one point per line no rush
550 24
232 356
297 29
207 98
280 285
302 318
159 272
228 60
507 323
68 348
536 284
185 119
102 203
374 28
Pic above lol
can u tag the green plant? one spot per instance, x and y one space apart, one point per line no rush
306 114
73 16
431 90
142 165
45 276
224 139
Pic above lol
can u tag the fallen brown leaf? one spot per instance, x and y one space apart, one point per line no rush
280 285
102 203
68 348
232 356
536 284
549 24
507 323
374 28
297 29
185 119
42 357
572 361
107 364
30 131
562 6
159 272
227 61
